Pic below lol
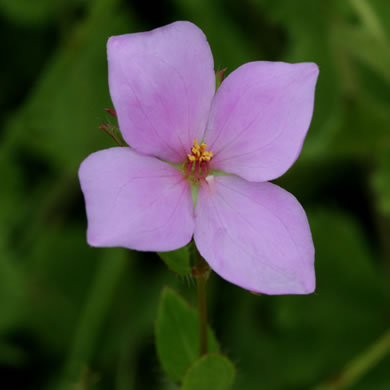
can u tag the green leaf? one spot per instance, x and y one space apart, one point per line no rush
211 372
177 335
178 260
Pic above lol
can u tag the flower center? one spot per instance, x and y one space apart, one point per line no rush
197 163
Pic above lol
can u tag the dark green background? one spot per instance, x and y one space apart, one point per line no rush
73 317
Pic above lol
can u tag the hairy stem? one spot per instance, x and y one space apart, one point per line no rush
201 272
202 307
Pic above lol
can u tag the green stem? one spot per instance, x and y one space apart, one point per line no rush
201 272
202 306
369 19
360 365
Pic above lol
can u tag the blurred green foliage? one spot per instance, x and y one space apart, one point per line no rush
74 317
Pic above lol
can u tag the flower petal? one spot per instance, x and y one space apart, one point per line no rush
135 201
260 117
255 235
162 83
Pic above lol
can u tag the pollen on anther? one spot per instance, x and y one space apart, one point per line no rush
199 153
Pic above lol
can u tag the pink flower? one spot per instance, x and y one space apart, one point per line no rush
251 232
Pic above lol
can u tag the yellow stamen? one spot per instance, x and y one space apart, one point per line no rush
199 153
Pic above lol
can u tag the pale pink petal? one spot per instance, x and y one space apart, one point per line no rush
260 117
162 83
135 201
255 235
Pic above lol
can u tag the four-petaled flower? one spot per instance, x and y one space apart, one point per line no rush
251 232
